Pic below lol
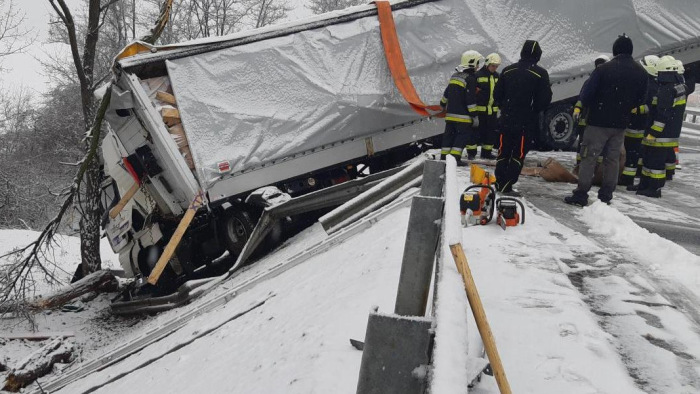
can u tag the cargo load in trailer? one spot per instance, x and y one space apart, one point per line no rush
306 105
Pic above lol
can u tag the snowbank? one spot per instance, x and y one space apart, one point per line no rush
660 255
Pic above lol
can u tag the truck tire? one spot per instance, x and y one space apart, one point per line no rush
558 128
235 229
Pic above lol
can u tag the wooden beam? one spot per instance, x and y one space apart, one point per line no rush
124 200
175 239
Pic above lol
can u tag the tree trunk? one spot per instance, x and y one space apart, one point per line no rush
101 281
90 220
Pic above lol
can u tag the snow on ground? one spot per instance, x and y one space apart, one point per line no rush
661 256
297 342
91 328
63 258
578 301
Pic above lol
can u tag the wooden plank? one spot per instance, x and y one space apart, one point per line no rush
166 97
124 200
38 336
175 240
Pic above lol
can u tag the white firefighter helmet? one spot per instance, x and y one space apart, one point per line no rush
492 58
681 69
667 63
471 60
649 63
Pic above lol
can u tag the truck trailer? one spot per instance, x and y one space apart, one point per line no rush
306 105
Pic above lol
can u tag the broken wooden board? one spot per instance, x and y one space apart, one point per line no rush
38 336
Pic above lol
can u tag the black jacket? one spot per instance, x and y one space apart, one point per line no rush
521 93
667 113
613 90
485 86
459 98
640 119
690 76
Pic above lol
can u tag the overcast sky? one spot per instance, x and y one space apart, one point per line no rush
23 69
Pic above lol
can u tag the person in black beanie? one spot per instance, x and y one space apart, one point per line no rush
521 93
612 91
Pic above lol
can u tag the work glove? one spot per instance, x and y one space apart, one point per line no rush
576 115
475 121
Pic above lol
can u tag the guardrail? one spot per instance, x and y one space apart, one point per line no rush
423 345
693 115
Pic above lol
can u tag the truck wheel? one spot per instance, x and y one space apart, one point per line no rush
236 229
559 131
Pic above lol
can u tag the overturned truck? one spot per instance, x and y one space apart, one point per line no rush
302 106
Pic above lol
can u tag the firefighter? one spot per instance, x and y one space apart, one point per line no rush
662 135
522 92
639 121
612 91
459 101
672 163
690 75
675 132
580 113
486 79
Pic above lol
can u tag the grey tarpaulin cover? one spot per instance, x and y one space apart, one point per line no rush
274 98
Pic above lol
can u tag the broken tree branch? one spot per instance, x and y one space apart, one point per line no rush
38 364
100 281
156 31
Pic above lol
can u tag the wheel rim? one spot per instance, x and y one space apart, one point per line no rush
236 232
560 127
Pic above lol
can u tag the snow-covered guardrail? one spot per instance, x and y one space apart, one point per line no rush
451 356
398 351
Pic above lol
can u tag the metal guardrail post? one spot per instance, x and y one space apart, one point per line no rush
433 178
398 347
421 243
418 256
396 355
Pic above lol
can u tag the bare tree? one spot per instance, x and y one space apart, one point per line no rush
17 276
191 19
14 37
85 70
268 12
321 6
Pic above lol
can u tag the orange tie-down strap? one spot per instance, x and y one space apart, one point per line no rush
394 57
